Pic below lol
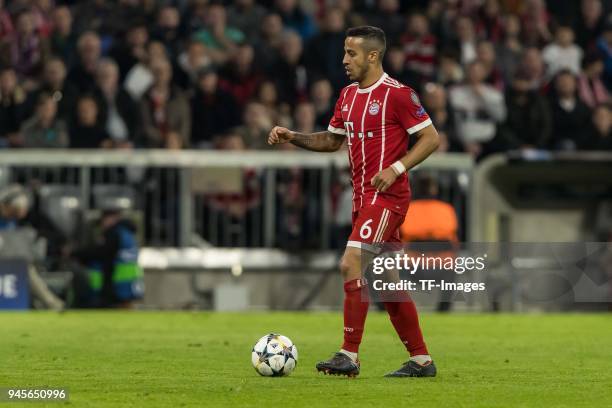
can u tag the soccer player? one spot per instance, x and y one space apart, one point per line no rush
375 115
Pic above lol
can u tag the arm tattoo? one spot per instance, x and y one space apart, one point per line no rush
318 142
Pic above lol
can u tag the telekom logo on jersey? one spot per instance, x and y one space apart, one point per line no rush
350 132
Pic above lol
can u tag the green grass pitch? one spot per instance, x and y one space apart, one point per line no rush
180 359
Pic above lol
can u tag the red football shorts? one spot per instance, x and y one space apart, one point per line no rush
374 225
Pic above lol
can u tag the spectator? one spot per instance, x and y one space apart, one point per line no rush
478 108
133 50
195 15
267 47
6 23
25 50
16 213
570 114
304 118
267 95
41 13
14 206
326 49
489 22
534 21
63 39
289 71
166 117
213 110
44 129
246 15
466 39
534 68
295 18
167 30
97 16
590 24
89 50
591 89
118 113
219 38
450 71
257 124
86 132
436 104
140 78
599 133
528 124
54 83
485 54
241 77
604 46
321 94
13 107
190 62
563 53
21 208
352 17
419 47
442 15
387 16
395 67
510 49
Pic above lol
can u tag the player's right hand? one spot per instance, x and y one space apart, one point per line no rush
279 134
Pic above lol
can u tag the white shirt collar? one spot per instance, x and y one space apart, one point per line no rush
374 85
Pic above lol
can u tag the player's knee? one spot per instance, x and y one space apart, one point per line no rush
344 267
349 267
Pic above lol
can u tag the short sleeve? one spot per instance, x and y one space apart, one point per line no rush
336 124
410 113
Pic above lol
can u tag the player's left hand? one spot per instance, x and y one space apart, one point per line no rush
384 179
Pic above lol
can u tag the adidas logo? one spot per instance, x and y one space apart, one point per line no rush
345 108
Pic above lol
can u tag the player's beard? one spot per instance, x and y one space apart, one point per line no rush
355 73
361 74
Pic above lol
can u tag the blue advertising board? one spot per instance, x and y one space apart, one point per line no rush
14 284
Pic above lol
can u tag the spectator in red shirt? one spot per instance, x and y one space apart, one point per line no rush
535 19
591 88
489 23
25 49
241 77
420 47
6 24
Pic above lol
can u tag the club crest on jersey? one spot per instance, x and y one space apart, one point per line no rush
415 98
374 107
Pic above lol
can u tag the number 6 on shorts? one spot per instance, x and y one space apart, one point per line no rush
366 230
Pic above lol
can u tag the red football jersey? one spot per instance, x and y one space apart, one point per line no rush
377 121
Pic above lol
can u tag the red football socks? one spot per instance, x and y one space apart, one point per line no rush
402 312
405 319
356 303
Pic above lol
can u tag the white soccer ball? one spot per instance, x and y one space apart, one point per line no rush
274 355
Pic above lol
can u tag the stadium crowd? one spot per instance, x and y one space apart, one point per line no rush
493 74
